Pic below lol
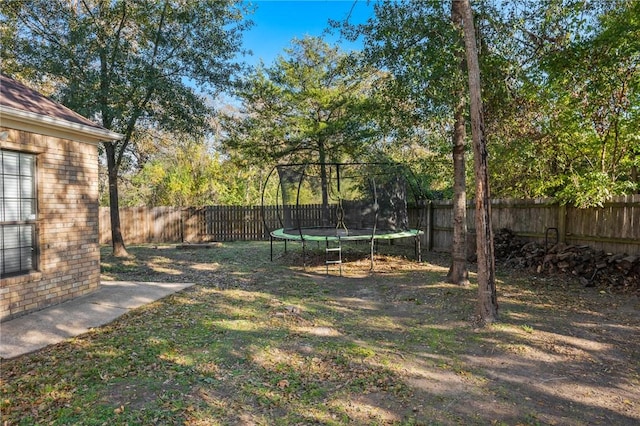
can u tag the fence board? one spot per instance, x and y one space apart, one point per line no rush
615 227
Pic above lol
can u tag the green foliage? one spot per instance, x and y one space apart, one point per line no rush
135 67
418 44
419 48
591 189
561 93
572 130
312 105
191 174
126 63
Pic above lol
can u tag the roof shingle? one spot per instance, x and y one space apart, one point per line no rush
18 96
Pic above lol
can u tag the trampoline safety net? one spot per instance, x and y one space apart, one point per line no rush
343 198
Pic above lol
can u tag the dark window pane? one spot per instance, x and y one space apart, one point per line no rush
17 204
11 260
26 259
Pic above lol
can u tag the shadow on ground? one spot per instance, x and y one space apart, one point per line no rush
260 342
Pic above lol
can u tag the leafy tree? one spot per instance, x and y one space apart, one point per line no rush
193 174
420 44
311 105
129 65
184 176
596 81
564 123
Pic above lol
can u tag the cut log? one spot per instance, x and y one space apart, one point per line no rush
592 268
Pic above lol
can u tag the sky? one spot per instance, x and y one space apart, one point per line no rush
277 22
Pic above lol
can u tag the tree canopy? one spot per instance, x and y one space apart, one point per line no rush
312 105
135 67
565 124
560 97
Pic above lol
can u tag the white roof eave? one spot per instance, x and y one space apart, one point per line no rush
76 131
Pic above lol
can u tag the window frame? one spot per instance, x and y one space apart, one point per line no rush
27 264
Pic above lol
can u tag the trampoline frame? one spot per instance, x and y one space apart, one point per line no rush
281 234
304 235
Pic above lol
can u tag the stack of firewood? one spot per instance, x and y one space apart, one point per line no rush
594 268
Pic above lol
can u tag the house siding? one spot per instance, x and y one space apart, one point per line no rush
67 225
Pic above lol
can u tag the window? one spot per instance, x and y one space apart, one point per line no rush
17 213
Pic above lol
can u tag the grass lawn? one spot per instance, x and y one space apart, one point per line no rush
256 342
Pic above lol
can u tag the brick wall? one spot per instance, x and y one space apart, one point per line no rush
67 225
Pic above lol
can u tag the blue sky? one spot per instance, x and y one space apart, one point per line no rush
277 22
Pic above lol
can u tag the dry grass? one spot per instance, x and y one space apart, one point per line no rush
273 343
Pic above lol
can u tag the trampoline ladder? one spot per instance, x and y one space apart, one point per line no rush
330 256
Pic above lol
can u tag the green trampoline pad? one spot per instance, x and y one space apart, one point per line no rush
329 234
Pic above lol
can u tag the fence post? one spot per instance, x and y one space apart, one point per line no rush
562 223
428 232
181 225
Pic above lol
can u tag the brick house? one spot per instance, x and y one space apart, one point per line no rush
49 250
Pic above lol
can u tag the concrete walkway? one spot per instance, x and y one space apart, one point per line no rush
34 331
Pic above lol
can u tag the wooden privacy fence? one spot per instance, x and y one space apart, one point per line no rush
615 227
141 225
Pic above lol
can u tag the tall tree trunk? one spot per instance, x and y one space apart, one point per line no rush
324 183
487 299
635 173
117 242
458 272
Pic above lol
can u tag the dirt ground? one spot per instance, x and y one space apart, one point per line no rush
562 354
396 346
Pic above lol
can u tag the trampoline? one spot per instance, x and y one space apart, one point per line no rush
332 203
